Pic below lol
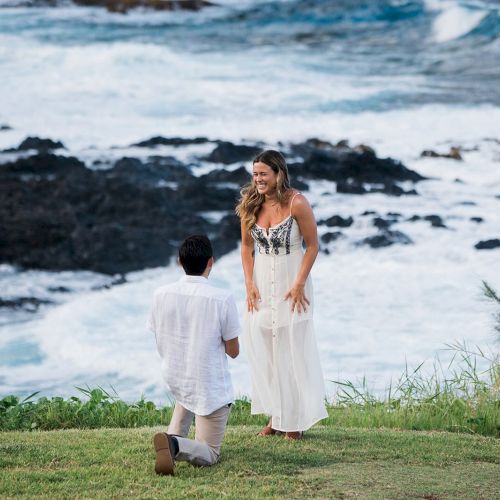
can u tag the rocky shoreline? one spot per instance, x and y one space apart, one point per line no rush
121 6
58 214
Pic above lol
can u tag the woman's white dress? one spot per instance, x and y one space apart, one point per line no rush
287 380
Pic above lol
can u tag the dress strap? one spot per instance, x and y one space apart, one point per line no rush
291 201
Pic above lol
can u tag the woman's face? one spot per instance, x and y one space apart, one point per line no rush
265 179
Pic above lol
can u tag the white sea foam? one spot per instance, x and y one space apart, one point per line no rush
145 90
456 21
375 309
142 90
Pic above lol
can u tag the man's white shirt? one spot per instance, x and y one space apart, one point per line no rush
191 319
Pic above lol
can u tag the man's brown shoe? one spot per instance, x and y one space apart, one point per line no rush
164 462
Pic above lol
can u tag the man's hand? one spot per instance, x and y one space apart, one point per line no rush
232 347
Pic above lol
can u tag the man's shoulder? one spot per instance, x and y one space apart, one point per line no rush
206 290
164 289
219 293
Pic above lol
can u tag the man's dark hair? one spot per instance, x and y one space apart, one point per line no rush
194 254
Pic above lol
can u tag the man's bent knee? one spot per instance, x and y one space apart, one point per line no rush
206 461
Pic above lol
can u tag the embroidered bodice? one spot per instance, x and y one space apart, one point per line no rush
281 239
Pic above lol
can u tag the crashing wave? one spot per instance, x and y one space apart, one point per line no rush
454 21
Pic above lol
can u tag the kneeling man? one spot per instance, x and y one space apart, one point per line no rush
196 325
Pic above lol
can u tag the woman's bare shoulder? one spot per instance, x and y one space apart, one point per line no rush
298 200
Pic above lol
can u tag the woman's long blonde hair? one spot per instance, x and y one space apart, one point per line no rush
251 201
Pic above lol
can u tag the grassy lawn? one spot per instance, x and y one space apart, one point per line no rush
328 463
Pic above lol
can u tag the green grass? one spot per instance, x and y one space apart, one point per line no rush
461 397
328 463
464 399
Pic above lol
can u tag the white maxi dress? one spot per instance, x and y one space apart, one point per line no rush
287 380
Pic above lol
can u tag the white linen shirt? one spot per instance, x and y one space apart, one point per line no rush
191 319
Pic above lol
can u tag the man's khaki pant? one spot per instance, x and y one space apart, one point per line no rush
209 433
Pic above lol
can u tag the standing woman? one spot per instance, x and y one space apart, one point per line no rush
287 381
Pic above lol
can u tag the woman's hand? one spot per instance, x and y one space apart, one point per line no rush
298 298
253 297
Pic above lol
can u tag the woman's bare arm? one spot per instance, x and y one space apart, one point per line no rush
247 260
303 214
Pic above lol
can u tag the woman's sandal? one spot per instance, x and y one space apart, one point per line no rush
294 436
267 431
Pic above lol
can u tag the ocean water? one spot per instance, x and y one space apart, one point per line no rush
401 76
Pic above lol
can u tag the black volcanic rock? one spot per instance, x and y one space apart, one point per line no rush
240 176
227 152
28 304
351 188
331 236
351 168
453 154
336 220
57 214
487 244
345 163
123 6
40 145
228 235
386 238
152 171
435 220
170 141
43 166
59 289
299 184
382 223
394 190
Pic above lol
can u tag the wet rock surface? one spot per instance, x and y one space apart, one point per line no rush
121 6
227 153
487 244
28 304
170 141
337 220
453 154
382 223
38 144
385 238
356 170
331 236
57 214
435 220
